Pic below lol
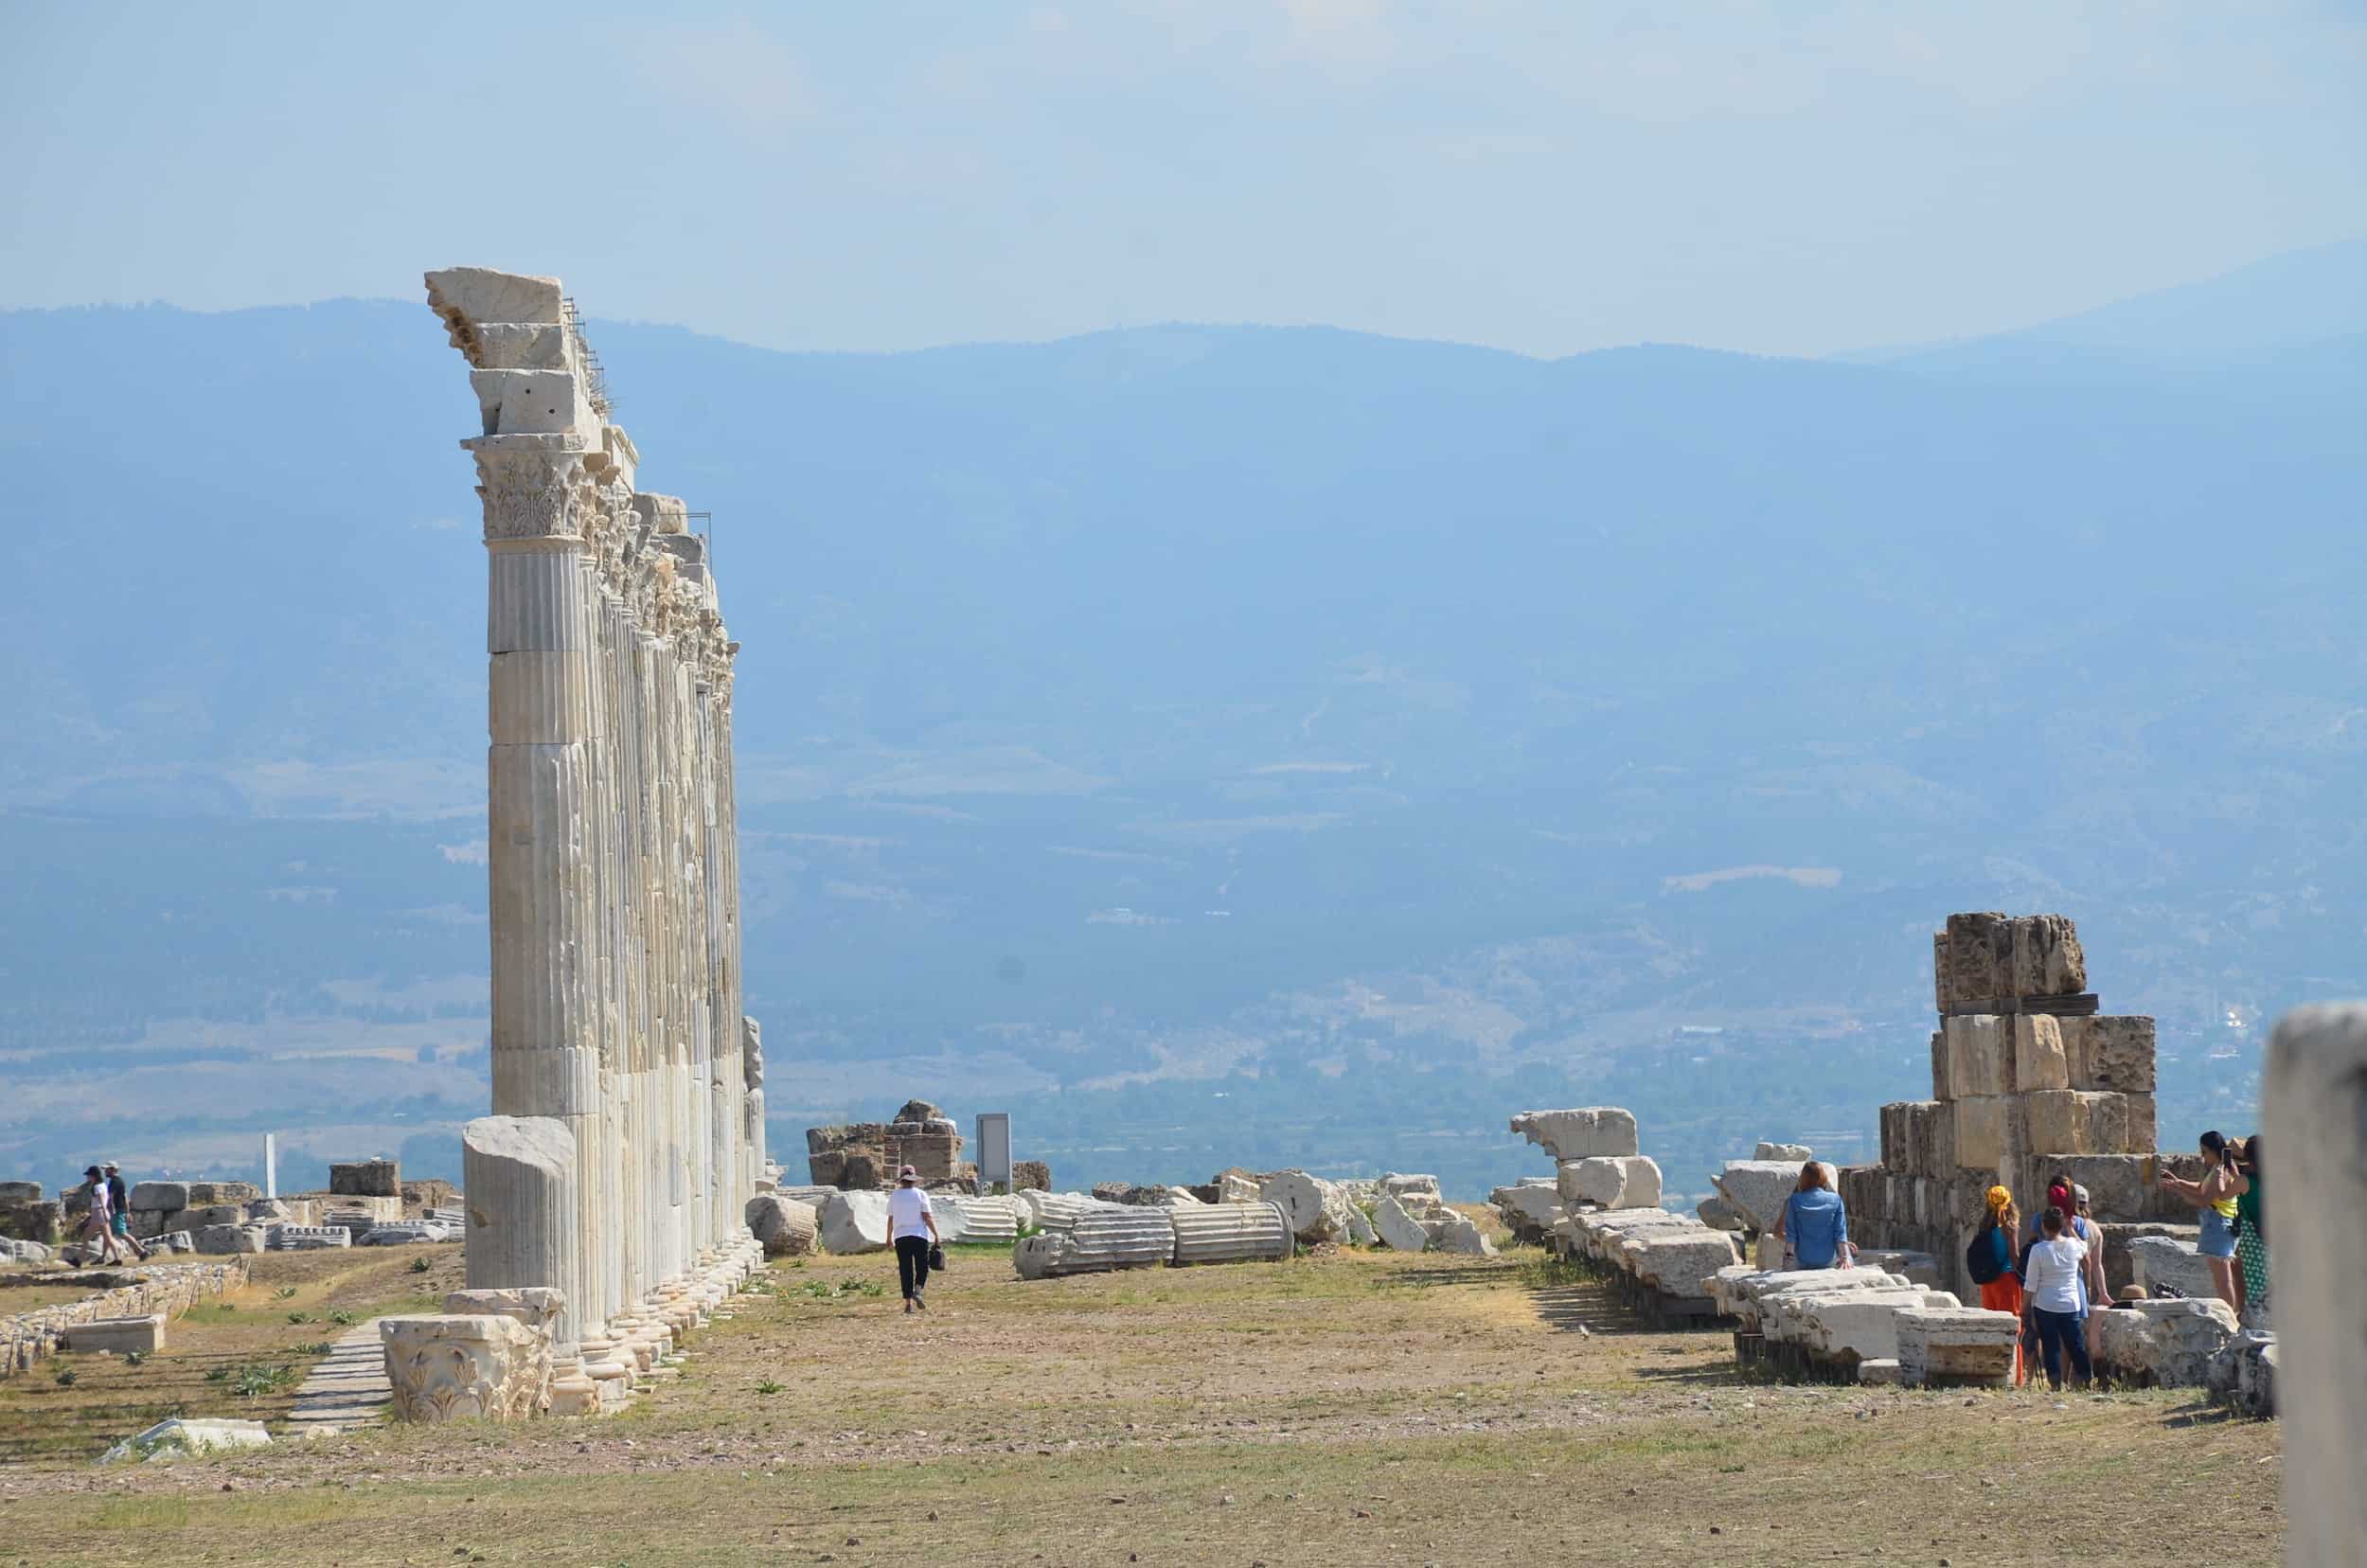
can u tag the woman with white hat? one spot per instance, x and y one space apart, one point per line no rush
912 1230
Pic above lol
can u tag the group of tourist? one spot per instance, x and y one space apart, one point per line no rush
107 1231
2050 1273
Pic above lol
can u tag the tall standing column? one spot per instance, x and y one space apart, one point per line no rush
544 910
2314 1115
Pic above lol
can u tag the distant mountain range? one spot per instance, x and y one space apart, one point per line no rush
1321 720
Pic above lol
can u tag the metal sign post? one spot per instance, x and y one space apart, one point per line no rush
994 1150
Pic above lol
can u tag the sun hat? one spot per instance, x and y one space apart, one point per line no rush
907 1174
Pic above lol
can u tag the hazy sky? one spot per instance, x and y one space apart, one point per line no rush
1547 177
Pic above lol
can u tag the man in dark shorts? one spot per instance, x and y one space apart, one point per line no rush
120 1211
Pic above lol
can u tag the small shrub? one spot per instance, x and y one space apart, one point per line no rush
302 1317
420 1265
769 1387
257 1379
67 1376
316 1348
218 1373
342 1318
134 1358
285 1293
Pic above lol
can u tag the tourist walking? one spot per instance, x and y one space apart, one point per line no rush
1814 1226
2252 1240
2214 1199
119 1205
1994 1266
99 1241
2051 1276
913 1231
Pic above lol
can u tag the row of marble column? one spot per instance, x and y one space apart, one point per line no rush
614 908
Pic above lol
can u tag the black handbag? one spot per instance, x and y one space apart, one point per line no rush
936 1259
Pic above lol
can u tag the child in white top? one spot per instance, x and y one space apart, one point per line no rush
2058 1305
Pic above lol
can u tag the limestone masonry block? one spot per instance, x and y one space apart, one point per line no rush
2142 1135
1977 1053
29 1192
466 1365
1765 1151
1584 1133
786 1227
1396 1227
162 1195
118 1335
1757 1189
2159 1261
854 1223
1622 1182
2038 1059
1981 1132
1986 956
483 294
2111 1052
367 1179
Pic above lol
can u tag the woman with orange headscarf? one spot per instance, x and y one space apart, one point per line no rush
1992 1260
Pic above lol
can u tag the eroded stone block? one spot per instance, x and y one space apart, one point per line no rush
1981 1132
1977 1051
2111 1052
458 1366
1587 1132
2039 1061
1612 1182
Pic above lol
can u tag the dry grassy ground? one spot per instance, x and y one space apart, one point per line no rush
1342 1409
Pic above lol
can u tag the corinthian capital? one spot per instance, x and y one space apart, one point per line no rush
534 489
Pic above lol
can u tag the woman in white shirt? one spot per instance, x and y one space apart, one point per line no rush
912 1230
2058 1302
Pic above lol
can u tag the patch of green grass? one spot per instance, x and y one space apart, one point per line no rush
340 1317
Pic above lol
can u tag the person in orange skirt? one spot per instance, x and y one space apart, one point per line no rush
1994 1263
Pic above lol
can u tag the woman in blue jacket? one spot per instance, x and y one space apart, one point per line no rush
1815 1225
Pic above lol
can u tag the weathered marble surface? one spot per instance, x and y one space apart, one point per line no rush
459 1366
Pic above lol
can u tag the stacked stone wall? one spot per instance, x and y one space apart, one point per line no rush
2028 1078
167 1290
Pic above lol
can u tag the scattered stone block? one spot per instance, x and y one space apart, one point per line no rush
1529 1208
164 1197
1718 1214
1588 1132
786 1227
2244 1374
1620 1181
459 1366
1790 1153
308 1238
1957 1345
367 1179
118 1335
234 1238
187 1435
1757 1189
1881 1369
2162 1265
854 1223
1681 1263
1317 1209
1396 1227
1032 1175
205 1193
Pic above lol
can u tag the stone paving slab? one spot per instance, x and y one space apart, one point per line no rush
348 1389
